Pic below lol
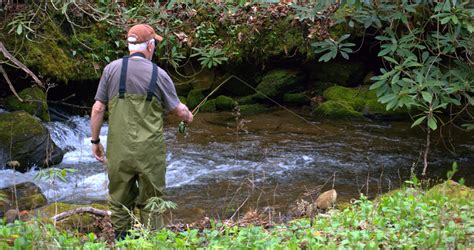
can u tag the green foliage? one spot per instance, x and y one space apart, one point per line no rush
426 51
52 174
159 205
209 57
408 218
332 48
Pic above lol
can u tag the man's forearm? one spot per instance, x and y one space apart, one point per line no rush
97 117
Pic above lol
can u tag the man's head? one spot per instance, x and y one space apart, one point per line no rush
141 38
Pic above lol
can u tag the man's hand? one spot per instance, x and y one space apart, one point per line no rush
98 152
183 113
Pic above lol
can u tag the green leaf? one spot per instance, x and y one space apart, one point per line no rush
428 97
445 20
418 121
432 124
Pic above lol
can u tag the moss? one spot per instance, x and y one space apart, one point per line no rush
34 102
337 109
253 109
250 99
278 82
16 123
452 190
195 96
296 99
208 106
350 96
48 56
33 201
224 103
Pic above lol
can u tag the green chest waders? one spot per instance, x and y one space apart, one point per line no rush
135 153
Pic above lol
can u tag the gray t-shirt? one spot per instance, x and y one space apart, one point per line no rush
138 81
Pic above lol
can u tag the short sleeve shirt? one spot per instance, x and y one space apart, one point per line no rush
139 73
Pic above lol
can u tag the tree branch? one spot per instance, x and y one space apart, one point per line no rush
4 73
20 65
80 210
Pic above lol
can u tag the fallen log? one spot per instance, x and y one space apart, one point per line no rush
80 210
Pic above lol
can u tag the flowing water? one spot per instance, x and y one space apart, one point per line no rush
270 162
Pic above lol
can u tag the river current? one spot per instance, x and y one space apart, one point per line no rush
265 161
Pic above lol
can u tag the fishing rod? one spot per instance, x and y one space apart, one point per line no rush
182 124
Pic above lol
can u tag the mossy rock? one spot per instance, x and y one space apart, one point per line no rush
24 139
353 97
27 195
195 96
276 83
224 103
337 109
250 99
342 73
208 106
365 101
77 222
253 109
48 56
296 99
34 102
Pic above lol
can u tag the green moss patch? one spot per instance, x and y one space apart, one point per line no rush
34 102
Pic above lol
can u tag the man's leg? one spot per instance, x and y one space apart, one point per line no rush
123 191
151 183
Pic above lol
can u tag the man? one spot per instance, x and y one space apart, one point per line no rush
138 93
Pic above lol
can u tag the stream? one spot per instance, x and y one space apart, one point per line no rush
270 162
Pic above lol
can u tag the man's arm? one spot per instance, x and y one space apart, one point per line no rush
182 112
97 117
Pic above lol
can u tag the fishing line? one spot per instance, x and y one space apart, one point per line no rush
182 124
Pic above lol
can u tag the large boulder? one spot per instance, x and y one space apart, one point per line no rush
34 102
276 83
27 195
25 141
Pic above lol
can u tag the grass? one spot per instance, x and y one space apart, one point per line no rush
442 217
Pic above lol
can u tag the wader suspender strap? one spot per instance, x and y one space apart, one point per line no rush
151 89
123 78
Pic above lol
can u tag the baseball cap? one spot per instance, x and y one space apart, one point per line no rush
141 33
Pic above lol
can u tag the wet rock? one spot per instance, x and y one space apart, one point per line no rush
25 141
11 215
34 102
327 199
276 83
342 73
27 195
